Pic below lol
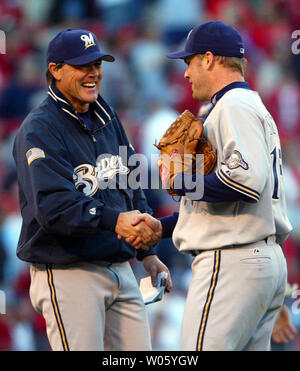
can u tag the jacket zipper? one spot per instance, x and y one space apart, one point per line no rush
92 136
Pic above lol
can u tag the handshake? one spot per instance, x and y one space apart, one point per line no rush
139 230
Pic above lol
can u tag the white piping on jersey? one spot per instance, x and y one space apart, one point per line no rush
103 110
62 100
71 114
236 186
100 118
52 96
57 98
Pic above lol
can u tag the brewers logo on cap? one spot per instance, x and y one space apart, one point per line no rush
88 39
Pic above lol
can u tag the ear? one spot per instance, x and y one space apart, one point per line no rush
56 72
208 60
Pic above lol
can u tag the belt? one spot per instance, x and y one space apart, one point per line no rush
268 241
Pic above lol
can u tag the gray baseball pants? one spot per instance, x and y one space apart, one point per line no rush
234 297
90 306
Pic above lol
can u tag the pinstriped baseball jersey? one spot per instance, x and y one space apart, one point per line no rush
249 161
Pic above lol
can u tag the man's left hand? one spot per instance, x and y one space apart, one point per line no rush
153 266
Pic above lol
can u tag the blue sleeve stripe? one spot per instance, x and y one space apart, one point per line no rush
237 186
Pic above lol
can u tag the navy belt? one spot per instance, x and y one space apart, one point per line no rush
266 240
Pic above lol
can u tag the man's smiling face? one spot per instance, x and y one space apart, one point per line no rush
80 84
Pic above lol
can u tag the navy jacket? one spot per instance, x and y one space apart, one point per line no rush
64 169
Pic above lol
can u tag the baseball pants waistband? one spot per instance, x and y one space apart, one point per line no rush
268 241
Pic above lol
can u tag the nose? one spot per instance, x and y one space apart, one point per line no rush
186 74
94 70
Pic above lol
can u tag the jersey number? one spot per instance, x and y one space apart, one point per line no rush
277 171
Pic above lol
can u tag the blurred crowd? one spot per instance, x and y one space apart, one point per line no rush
148 92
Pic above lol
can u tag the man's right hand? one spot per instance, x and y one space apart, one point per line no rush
138 232
150 222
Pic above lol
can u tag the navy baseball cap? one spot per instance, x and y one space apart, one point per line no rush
215 36
75 47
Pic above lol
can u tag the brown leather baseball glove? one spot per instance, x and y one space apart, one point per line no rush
178 149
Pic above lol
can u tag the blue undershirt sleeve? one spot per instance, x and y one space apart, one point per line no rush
168 224
214 189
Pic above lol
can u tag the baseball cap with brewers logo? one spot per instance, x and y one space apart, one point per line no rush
75 47
215 36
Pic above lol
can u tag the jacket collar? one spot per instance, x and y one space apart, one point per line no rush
103 113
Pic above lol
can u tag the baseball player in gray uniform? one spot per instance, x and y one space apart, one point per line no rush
235 230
